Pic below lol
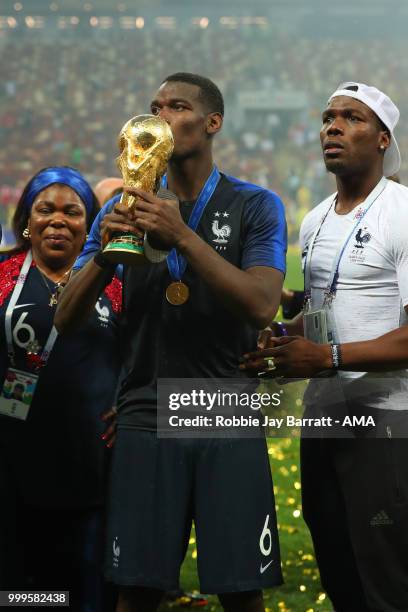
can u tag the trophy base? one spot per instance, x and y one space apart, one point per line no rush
125 249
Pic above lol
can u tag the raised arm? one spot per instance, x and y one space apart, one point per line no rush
90 278
80 295
253 293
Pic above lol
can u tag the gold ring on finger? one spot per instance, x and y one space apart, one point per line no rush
270 363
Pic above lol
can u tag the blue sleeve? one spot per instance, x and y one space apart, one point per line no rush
93 243
265 239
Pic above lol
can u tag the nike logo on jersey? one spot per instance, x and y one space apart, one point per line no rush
264 568
22 305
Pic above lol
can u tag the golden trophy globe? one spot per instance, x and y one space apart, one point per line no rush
146 144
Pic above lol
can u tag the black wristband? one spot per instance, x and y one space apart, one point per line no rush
103 263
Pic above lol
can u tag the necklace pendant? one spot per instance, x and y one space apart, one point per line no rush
33 359
53 300
33 347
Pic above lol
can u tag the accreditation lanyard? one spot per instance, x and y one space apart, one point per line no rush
9 313
330 291
177 263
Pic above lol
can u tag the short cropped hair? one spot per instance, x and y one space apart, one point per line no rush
210 95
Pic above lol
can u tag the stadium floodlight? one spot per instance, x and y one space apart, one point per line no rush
200 22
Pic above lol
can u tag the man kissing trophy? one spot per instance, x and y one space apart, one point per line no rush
146 144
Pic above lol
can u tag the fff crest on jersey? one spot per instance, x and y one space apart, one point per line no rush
221 230
361 238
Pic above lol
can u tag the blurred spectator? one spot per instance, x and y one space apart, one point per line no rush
107 188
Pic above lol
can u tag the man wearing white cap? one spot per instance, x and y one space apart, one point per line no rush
355 249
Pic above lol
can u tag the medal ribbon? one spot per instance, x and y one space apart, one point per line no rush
330 290
9 313
177 263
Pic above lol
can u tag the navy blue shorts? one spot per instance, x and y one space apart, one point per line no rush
160 486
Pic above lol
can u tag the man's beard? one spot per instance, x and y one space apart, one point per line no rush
336 167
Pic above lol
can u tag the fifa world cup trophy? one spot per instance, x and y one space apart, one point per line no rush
146 144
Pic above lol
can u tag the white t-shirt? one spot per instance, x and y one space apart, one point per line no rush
372 286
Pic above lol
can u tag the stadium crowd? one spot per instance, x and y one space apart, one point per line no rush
65 103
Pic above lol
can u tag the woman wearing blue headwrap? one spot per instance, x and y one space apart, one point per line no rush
52 460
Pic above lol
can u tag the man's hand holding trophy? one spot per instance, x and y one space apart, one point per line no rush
146 144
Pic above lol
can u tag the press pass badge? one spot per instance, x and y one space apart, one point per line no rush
17 393
315 322
19 385
316 328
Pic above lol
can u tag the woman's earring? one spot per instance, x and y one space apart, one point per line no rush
382 148
26 233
